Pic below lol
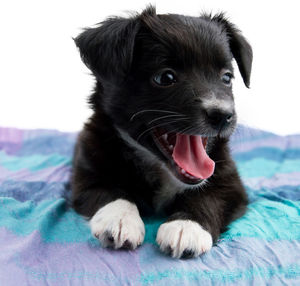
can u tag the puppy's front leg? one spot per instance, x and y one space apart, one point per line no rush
113 218
183 238
197 219
118 225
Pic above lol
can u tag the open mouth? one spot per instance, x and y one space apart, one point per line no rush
187 155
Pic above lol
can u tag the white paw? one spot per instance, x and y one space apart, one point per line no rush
183 238
118 225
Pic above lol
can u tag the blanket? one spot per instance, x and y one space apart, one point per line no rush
44 242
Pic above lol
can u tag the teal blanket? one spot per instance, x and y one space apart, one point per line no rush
44 242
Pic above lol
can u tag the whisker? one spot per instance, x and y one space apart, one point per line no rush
151 110
220 161
195 129
167 116
158 125
186 129
180 130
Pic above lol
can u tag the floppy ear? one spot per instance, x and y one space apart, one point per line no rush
240 48
107 49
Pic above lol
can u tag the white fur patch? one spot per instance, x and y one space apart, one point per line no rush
221 104
183 235
117 223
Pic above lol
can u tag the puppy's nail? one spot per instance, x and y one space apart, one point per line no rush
188 253
127 245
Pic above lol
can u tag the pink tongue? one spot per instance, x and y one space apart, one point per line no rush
190 155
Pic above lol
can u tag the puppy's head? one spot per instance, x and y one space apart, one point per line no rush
166 81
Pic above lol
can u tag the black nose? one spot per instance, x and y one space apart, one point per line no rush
219 118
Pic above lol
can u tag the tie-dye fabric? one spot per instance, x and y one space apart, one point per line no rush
44 242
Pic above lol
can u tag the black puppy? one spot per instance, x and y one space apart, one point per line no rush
157 140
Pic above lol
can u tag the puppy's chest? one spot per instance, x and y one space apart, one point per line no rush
152 187
166 193
152 183
164 187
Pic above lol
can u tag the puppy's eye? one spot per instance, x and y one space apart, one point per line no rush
165 78
226 78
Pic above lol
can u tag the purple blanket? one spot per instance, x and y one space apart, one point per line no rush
44 242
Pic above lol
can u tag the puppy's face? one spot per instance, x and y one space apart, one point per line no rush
166 81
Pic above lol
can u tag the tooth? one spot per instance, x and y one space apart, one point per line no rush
171 147
183 171
204 141
165 136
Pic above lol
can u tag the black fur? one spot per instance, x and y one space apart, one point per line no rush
123 55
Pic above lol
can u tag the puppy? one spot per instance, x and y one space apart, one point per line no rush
157 142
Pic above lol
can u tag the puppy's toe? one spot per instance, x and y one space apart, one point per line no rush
118 225
127 245
185 239
188 253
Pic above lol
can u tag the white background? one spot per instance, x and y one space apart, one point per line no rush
43 83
